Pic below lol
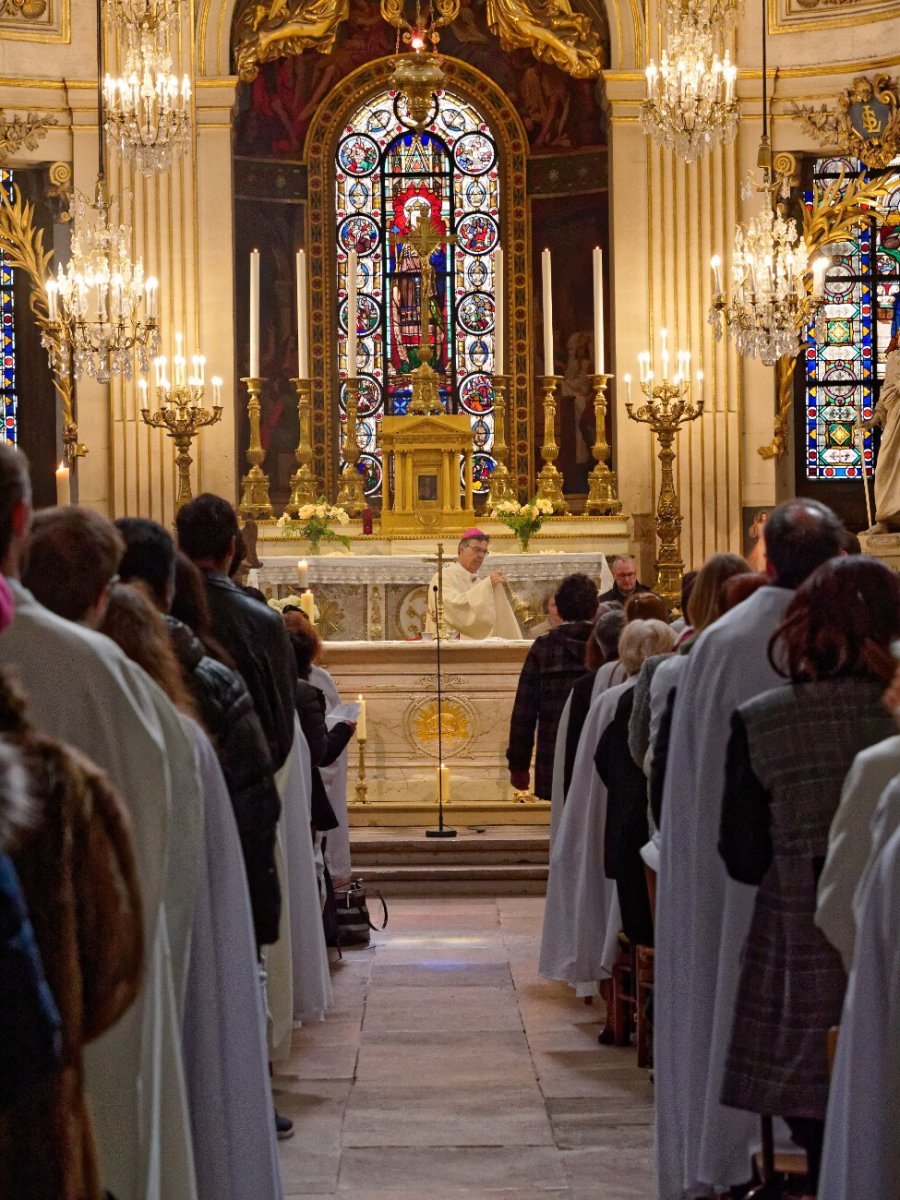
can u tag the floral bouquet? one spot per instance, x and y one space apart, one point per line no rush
523 519
313 524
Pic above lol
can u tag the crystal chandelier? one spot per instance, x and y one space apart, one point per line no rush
148 113
691 103
771 303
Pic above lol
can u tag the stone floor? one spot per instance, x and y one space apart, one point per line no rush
449 1068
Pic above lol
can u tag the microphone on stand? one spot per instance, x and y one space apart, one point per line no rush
442 831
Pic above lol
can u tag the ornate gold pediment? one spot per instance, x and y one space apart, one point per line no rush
865 124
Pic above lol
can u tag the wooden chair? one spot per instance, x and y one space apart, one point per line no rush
621 1022
644 987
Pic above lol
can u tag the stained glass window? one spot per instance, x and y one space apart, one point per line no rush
389 178
844 369
7 310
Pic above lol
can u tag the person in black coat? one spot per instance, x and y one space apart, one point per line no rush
175 586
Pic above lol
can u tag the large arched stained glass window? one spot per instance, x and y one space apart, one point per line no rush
844 369
388 178
7 334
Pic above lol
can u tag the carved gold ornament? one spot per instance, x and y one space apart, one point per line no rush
456 726
277 28
22 133
28 10
551 31
23 248
865 125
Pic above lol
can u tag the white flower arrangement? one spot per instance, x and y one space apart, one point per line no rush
523 519
314 523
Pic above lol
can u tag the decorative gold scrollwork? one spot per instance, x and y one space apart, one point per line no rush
264 32
866 124
22 133
551 31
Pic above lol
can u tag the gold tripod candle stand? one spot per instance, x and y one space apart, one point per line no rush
666 410
255 500
303 481
362 788
351 495
502 483
602 497
182 416
550 478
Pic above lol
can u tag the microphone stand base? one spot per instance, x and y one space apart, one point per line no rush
443 832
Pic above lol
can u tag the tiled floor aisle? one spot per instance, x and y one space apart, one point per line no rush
448 1068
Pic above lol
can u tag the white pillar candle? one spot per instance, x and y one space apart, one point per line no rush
63 485
352 315
716 263
547 297
150 291
308 606
303 574
819 267
217 391
499 330
699 388
52 299
628 388
361 730
302 328
254 314
442 784
142 385
598 311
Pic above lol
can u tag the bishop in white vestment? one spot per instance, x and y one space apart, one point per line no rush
475 608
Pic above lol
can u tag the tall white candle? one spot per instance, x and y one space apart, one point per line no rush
598 311
302 328
303 574
547 297
352 314
254 314
361 725
499 330
716 263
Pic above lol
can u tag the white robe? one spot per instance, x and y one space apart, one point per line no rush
702 916
887 470
472 606
850 842
861 1158
581 914
83 690
225 1062
334 777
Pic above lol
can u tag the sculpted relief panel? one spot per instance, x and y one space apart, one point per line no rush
35 20
790 16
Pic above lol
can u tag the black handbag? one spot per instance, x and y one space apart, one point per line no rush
354 922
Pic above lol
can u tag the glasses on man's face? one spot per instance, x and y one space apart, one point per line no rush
626 575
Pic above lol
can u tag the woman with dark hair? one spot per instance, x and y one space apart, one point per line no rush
789 751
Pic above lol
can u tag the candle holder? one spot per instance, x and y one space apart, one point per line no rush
255 500
351 495
362 788
602 498
182 416
502 484
666 410
303 481
550 480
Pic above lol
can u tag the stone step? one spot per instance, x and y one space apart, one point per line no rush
425 851
529 879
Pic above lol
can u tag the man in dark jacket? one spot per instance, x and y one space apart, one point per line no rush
625 578
251 632
553 664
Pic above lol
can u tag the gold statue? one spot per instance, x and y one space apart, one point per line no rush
282 27
551 31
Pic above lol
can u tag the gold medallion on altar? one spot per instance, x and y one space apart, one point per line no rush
457 725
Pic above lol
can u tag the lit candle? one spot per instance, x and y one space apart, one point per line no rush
308 606
352 315
651 73
63 486
145 403
442 784
547 296
361 731
217 391
819 267
302 328
303 574
699 388
254 314
628 388
150 292
52 299
201 373
160 365
716 263
598 310
499 331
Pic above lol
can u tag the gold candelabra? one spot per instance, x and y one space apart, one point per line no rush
182 415
362 788
255 500
602 492
351 495
666 410
550 480
502 483
303 481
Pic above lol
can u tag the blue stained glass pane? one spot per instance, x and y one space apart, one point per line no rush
844 368
7 334
388 178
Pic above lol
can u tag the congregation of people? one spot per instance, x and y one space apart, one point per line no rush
172 812
725 807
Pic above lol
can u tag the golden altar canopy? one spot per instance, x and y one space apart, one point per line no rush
424 452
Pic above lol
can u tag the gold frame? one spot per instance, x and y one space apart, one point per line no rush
320 238
842 17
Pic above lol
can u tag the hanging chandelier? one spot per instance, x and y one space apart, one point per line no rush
148 112
691 103
418 77
102 311
776 291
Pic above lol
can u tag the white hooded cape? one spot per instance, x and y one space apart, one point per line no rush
225 1062
702 916
581 915
337 849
